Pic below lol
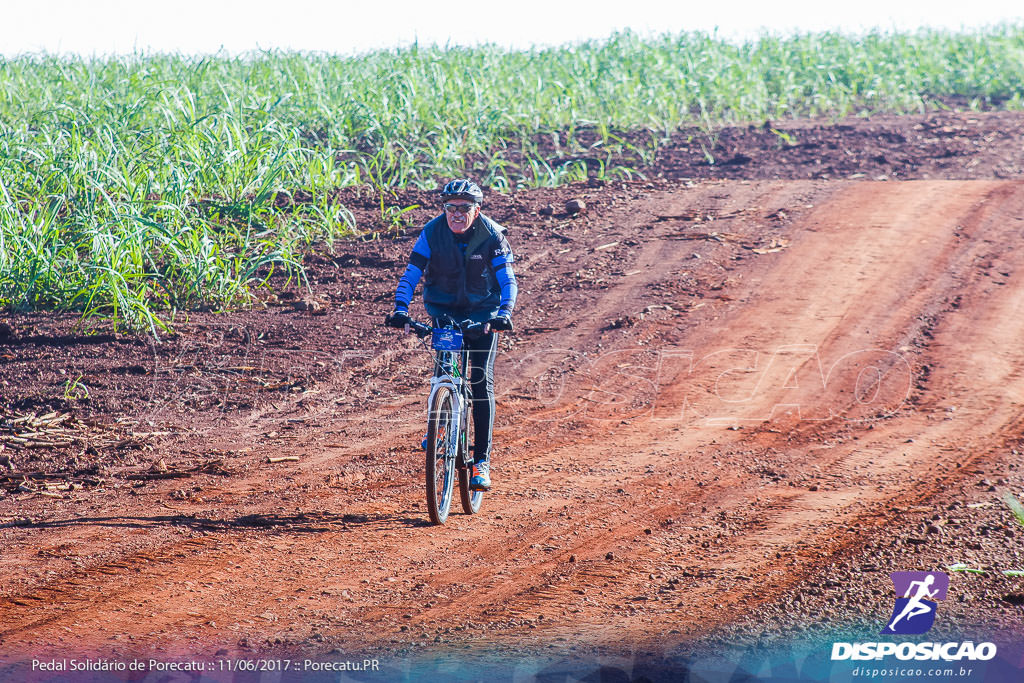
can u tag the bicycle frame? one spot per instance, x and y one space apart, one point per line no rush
451 372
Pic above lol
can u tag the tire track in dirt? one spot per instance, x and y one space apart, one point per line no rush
698 518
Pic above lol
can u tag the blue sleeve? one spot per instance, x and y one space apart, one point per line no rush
501 261
413 272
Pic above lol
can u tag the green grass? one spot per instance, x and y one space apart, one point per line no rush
1015 507
134 187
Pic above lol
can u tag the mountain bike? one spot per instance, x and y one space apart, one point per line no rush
449 452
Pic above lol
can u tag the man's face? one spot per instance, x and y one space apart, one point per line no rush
460 214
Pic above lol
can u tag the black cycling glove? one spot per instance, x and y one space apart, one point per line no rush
397 319
501 323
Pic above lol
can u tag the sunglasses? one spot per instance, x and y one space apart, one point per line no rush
459 208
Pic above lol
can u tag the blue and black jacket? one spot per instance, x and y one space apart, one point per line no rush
469 278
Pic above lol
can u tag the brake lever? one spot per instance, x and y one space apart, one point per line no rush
473 329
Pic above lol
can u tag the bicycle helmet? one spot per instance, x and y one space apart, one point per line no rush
463 188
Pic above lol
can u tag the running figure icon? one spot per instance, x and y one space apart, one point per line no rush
914 611
915 606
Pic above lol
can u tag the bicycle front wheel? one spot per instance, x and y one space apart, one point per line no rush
441 449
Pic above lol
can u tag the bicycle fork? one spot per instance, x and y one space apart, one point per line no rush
454 385
458 447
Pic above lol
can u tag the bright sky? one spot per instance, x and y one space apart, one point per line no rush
102 27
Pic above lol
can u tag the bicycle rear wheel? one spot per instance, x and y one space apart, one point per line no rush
471 500
441 449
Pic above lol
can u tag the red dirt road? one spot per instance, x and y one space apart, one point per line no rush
674 467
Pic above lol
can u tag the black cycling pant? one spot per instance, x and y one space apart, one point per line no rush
481 382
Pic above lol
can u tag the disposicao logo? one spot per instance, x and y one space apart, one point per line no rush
914 613
917 593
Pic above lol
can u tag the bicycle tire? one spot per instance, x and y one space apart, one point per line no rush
471 500
440 474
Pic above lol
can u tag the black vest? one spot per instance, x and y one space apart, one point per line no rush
463 282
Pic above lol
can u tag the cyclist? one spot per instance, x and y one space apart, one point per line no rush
467 264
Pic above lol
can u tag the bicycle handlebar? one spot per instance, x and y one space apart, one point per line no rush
473 329
466 326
